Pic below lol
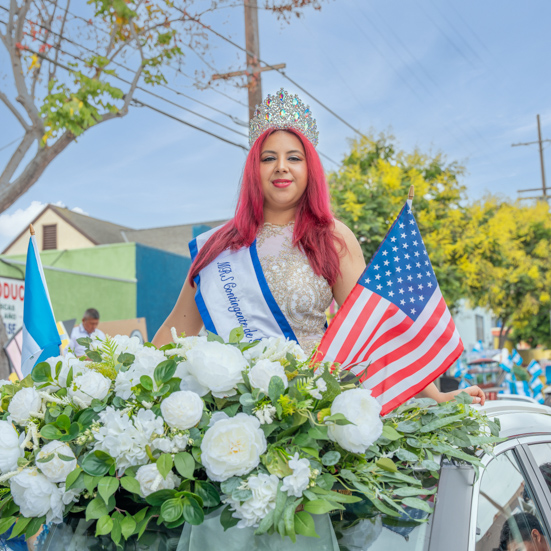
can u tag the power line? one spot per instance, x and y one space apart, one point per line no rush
11 143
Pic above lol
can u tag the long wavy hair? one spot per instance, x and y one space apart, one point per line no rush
313 230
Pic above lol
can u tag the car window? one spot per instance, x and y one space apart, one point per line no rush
508 518
542 455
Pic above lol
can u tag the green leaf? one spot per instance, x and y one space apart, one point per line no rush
116 531
331 458
164 372
128 525
416 503
386 464
208 493
107 487
90 482
96 509
464 398
158 498
185 464
94 355
42 373
265 524
405 455
320 506
318 433
236 335
193 513
34 526
430 465
391 433
333 389
126 359
275 389
130 484
289 518
46 458
172 509
50 432
20 526
226 518
407 427
384 509
147 382
6 523
442 422
246 399
72 477
213 337
97 463
304 525
104 525
164 464
337 419
63 422
327 481
337 497
407 491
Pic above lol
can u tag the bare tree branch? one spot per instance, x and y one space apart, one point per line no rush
14 111
53 66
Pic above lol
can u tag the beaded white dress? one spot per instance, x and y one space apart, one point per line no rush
302 295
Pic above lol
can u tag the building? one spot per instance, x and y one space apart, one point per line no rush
123 272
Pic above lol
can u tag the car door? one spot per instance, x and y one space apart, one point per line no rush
511 498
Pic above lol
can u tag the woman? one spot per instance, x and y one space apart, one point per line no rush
277 265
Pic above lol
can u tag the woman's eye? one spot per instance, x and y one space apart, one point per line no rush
268 159
295 159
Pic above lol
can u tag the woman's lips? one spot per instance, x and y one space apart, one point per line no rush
282 183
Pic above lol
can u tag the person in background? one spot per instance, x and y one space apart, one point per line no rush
88 328
522 532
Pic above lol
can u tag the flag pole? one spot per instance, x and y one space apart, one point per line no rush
31 229
410 194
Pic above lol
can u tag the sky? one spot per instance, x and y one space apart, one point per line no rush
463 78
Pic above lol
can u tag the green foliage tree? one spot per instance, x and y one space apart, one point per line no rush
67 73
372 185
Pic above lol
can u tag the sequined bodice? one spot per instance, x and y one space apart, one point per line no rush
302 295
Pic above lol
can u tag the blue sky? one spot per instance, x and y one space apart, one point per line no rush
465 78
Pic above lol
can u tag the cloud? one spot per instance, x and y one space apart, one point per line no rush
12 224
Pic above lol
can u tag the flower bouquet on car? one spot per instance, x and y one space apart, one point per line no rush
131 438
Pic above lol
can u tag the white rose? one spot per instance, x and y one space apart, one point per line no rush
10 450
263 371
184 343
89 386
232 447
126 345
253 510
274 349
182 410
37 496
297 482
360 408
57 469
145 362
24 403
215 367
151 480
67 362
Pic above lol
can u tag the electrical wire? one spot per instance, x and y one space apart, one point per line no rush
11 143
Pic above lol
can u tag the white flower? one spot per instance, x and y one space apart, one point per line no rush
321 386
89 386
254 509
184 343
215 367
232 447
296 483
218 416
67 362
151 480
57 469
126 345
266 414
262 372
145 362
274 349
125 438
182 409
37 496
10 450
170 445
24 403
360 408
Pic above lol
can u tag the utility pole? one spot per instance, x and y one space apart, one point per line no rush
252 46
544 188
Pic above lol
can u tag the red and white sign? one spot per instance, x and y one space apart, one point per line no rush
12 294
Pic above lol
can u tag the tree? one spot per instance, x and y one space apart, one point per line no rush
503 256
70 73
372 185
535 331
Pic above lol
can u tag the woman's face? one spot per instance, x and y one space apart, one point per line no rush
283 172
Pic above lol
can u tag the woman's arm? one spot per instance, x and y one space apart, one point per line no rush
184 317
432 392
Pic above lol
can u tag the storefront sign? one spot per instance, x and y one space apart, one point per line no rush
12 293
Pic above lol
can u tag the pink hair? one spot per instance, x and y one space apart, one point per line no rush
313 231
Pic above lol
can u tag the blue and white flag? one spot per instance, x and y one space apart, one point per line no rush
536 386
534 368
540 398
520 388
478 347
516 358
41 338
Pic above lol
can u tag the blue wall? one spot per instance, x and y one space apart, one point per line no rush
160 276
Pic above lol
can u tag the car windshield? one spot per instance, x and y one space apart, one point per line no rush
383 533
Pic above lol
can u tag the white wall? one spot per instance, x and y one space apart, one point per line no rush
465 321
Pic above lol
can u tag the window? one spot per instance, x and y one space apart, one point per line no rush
542 455
49 237
508 519
479 321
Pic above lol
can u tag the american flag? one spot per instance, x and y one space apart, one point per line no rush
395 321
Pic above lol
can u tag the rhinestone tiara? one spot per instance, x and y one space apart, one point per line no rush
283 110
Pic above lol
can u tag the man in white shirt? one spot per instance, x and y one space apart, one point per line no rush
88 328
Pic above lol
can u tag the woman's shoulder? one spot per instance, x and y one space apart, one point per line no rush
342 231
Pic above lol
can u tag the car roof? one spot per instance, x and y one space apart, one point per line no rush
518 418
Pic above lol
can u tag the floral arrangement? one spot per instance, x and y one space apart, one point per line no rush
131 436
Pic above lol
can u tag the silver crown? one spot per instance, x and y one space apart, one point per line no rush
283 110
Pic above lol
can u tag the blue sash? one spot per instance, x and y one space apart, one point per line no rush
233 291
